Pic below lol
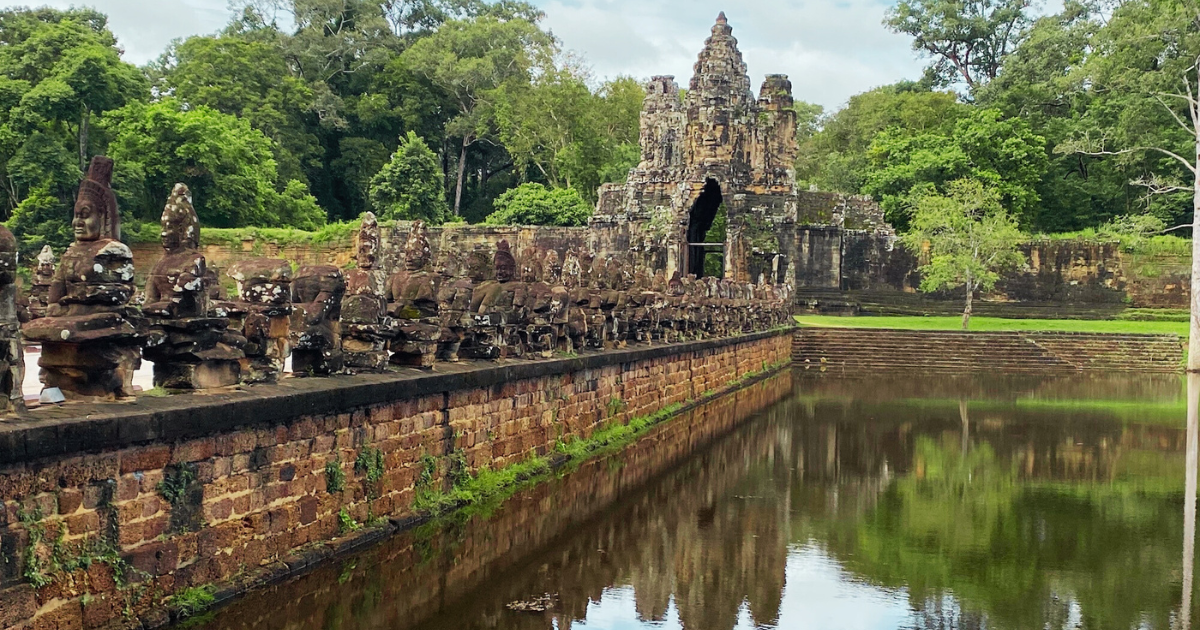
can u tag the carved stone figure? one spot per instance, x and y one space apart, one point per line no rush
317 292
91 336
412 296
12 351
261 313
366 326
43 275
190 349
492 307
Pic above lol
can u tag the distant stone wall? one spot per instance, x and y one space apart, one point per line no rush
109 509
869 351
1057 272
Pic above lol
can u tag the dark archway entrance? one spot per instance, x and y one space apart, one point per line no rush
700 221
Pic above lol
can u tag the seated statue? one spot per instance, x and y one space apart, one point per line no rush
317 293
366 326
91 339
189 348
43 275
454 302
261 313
412 295
492 306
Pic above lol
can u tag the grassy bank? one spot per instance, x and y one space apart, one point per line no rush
990 324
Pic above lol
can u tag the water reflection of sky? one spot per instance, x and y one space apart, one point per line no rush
817 593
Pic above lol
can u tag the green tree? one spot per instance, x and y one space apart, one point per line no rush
1003 153
835 158
568 135
249 79
58 70
469 60
227 164
534 204
968 39
967 238
409 186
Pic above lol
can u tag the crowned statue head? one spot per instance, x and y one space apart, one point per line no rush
417 254
96 214
180 225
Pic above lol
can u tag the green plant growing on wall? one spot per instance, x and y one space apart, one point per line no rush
428 470
174 485
346 523
370 463
335 477
192 600
614 406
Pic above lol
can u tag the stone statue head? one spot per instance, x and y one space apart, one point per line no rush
552 267
506 265
368 242
96 206
450 264
478 265
45 262
417 254
531 265
572 273
180 226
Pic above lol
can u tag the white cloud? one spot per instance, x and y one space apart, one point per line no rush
831 49
144 28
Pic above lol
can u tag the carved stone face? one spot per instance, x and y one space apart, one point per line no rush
506 265
417 254
88 223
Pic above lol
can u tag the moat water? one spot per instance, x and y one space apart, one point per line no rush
858 504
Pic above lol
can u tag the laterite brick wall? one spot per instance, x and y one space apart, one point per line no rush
108 510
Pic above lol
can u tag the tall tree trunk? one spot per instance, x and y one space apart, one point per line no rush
967 311
1189 502
1193 359
84 121
462 171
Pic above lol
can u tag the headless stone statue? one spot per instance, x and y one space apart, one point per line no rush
261 313
317 293
91 336
190 349
366 327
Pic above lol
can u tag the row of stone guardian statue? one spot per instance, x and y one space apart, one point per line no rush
481 304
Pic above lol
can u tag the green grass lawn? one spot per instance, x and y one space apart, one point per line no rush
983 324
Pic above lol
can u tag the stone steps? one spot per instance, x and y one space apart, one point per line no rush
850 350
889 302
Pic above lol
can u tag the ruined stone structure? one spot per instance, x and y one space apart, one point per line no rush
366 327
720 148
317 293
90 339
262 313
190 348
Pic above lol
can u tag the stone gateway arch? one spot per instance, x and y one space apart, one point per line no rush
716 145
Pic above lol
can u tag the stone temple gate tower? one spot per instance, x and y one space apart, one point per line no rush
714 146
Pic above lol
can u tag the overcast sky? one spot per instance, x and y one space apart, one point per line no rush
831 49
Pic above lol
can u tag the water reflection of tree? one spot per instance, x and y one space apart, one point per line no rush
1018 552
